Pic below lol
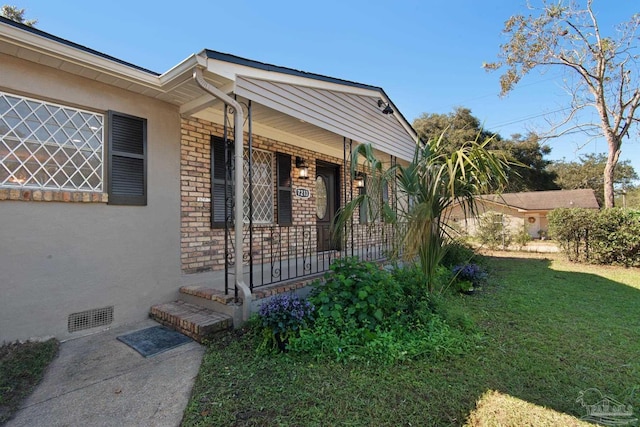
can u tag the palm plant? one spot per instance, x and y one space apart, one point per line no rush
425 192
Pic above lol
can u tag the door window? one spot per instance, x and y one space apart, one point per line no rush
321 197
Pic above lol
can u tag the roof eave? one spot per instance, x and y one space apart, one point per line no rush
49 45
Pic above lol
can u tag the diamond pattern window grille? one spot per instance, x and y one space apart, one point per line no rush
49 146
262 170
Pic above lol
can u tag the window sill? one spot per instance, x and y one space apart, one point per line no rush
36 195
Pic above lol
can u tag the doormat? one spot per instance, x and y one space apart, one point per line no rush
155 340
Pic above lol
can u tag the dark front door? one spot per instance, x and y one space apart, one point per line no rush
327 203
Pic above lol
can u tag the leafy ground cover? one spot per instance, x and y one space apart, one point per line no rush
550 329
22 366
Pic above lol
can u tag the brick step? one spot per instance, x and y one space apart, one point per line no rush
192 320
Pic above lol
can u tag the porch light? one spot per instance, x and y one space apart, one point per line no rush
303 168
359 180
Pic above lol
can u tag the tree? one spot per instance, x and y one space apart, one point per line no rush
15 14
602 70
453 129
589 173
431 184
527 171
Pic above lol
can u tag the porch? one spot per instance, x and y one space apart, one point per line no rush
284 254
271 148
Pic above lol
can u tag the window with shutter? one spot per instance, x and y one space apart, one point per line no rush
221 165
285 211
127 180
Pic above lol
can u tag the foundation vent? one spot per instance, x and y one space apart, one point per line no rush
90 319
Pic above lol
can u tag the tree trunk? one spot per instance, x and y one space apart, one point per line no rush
609 170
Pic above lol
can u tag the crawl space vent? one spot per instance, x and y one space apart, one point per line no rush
90 319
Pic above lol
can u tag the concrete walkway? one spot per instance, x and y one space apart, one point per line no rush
99 381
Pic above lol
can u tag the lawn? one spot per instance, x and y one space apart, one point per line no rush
550 330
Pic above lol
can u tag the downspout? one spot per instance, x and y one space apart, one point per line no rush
238 122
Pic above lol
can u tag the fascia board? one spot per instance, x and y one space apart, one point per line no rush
48 47
230 71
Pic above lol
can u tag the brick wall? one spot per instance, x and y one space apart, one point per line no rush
202 248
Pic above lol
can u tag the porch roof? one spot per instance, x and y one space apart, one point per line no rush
318 108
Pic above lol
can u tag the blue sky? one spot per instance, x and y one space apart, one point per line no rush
427 54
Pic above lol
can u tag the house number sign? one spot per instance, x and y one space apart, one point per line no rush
303 193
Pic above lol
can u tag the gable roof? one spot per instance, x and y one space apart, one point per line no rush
546 200
320 108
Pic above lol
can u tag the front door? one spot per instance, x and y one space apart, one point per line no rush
327 203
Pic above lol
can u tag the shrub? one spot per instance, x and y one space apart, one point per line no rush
522 237
458 252
374 315
358 291
609 236
493 230
282 316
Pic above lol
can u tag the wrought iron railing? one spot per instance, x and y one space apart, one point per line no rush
273 254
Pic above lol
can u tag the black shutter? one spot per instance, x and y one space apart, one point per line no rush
127 169
221 168
285 211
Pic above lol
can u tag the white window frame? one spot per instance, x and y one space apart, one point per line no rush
52 147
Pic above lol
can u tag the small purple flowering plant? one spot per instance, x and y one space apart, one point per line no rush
283 315
469 276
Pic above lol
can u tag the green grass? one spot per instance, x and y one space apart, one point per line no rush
22 366
551 329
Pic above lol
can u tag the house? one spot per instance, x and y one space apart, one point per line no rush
117 184
528 208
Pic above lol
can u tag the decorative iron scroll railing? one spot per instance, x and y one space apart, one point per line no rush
273 254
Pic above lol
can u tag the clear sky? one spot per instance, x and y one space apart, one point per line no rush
427 55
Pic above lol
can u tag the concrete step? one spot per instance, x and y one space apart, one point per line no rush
197 322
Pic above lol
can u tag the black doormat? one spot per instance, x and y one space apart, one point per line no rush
151 341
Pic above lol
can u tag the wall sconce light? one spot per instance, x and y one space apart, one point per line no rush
387 109
303 168
359 179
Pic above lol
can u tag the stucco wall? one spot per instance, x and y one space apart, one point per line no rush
60 258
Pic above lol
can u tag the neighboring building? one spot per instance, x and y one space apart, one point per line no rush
116 183
530 208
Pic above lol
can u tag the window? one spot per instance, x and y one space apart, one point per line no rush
262 178
127 159
49 146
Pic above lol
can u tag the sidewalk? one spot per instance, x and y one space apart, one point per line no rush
99 381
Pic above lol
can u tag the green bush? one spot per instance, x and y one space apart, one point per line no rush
458 252
361 292
609 236
522 237
493 230
378 315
